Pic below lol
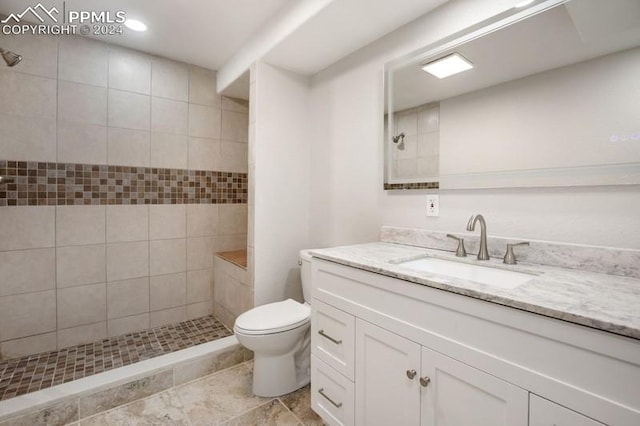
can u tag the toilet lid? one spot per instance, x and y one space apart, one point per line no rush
274 317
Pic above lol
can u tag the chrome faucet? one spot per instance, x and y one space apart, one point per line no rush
483 253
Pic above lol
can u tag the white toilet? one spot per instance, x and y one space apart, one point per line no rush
279 335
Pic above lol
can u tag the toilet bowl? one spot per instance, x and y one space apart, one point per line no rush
279 335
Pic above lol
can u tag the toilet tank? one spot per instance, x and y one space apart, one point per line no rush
305 274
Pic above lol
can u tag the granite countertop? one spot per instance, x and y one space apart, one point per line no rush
606 302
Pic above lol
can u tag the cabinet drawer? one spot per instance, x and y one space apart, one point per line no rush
332 394
543 412
333 337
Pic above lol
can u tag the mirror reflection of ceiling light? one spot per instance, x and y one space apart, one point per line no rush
135 25
448 65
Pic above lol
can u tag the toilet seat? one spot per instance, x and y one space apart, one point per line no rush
273 318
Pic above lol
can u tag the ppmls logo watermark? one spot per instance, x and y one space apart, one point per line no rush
40 20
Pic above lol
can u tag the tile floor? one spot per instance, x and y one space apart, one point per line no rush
19 376
222 398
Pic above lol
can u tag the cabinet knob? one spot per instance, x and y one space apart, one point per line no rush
411 374
424 381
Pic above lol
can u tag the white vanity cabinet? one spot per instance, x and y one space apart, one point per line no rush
395 352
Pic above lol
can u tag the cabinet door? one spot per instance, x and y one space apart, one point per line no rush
543 412
457 394
387 390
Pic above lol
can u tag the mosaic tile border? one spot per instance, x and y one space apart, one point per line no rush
32 183
19 376
416 185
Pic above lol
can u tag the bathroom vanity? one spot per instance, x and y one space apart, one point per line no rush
393 344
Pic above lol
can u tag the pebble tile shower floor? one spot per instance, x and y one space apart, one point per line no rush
19 376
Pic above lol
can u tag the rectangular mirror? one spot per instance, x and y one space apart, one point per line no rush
550 97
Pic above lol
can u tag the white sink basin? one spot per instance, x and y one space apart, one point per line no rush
477 273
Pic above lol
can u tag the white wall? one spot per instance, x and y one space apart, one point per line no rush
279 181
348 204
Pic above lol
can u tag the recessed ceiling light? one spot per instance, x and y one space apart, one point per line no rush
135 25
449 65
524 3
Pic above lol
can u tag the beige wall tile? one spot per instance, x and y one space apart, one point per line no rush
231 242
199 286
204 154
82 143
79 265
232 219
27 314
128 147
168 256
127 223
23 138
129 70
245 296
201 309
127 260
204 121
200 253
202 220
202 86
80 225
28 345
169 79
233 157
129 110
167 316
169 116
26 271
125 325
82 60
235 126
167 221
168 291
128 297
80 103
25 95
39 54
236 105
83 334
81 305
27 227
169 150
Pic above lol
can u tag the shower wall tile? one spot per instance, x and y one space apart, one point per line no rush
127 260
199 253
82 60
80 225
27 314
204 121
82 334
233 157
168 291
169 116
128 297
124 325
27 271
28 345
129 110
82 143
80 265
39 54
197 310
202 220
167 316
81 305
169 79
167 256
202 87
128 147
80 103
27 227
199 286
236 105
23 138
129 70
169 150
233 219
25 95
235 126
167 221
204 154
127 223
231 242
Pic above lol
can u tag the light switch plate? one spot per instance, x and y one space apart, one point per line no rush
433 205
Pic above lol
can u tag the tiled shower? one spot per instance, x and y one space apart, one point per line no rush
129 173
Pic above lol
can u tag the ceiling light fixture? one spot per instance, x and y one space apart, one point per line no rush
135 25
524 3
448 65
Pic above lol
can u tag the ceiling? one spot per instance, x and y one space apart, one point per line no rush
209 32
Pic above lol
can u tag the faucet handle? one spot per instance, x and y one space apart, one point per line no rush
460 251
509 257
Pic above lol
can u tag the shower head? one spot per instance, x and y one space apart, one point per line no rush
11 58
